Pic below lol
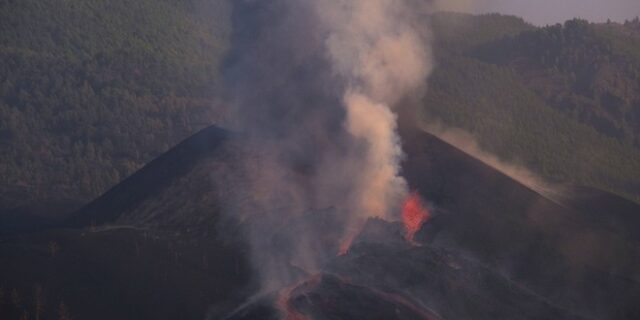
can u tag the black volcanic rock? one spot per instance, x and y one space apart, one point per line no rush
176 190
605 210
328 296
445 283
157 246
333 297
377 280
571 249
379 231
153 247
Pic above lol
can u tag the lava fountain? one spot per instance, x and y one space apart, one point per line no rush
316 87
414 215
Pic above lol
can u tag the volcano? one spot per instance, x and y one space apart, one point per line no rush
156 246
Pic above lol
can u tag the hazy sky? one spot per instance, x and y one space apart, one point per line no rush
543 12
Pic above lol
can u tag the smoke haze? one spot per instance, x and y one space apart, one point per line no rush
465 142
314 85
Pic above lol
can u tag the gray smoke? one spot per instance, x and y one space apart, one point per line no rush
314 85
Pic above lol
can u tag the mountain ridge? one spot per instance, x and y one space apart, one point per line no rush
123 103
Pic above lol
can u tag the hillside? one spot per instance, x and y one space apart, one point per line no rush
120 200
540 102
92 90
156 246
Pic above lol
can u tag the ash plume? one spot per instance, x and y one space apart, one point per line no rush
314 85
376 47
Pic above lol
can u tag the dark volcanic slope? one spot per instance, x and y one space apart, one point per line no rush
606 210
572 251
153 247
150 248
175 190
380 279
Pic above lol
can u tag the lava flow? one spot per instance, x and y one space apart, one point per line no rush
285 306
284 303
414 214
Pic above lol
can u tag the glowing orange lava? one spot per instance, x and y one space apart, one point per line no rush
289 311
414 214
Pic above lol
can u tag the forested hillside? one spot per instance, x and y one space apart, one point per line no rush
591 72
561 100
90 90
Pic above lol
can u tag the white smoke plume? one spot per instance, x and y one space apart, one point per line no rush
314 85
376 46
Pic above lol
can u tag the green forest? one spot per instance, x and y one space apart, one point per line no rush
561 100
92 90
